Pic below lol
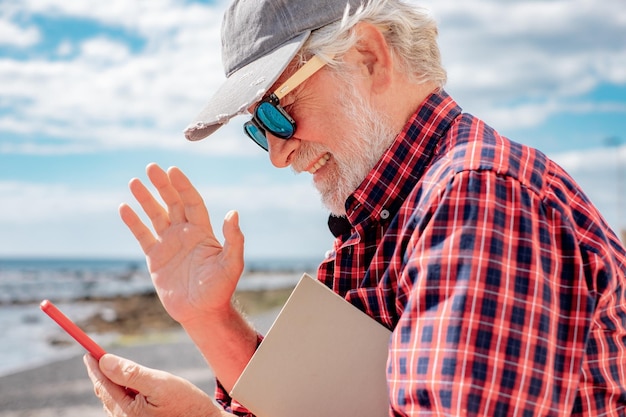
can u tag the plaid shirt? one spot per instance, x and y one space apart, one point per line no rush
502 283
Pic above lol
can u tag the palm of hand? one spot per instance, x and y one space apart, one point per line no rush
192 272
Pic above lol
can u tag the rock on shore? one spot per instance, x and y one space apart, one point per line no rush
144 313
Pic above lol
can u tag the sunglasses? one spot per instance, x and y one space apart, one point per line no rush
269 116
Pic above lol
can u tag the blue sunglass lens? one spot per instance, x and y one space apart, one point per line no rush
274 120
256 134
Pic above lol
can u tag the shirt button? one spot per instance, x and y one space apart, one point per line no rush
384 214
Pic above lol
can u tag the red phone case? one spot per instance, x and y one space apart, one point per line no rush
81 337
70 327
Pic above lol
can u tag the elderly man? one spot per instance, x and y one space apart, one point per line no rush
501 282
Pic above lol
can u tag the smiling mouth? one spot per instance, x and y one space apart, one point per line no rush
320 163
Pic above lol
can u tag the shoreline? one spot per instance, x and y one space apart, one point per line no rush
117 320
62 387
107 287
34 340
143 313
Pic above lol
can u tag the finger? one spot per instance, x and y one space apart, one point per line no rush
233 240
168 193
195 209
110 394
132 377
155 211
141 232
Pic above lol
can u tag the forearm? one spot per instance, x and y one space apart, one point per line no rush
227 341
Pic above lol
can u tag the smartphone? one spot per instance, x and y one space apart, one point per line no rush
72 329
81 337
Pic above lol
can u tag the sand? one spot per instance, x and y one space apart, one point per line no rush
146 335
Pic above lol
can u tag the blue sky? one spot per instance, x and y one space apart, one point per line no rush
92 91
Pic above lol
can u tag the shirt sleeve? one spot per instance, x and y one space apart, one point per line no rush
228 403
493 307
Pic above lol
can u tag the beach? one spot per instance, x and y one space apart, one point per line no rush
41 367
61 388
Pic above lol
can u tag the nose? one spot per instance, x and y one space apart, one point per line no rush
281 150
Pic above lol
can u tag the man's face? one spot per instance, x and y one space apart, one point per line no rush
339 137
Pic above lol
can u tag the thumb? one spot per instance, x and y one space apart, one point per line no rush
127 373
233 238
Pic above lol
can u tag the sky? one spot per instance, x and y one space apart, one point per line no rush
93 91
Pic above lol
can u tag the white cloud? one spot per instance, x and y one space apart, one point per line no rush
531 58
106 96
544 54
17 36
535 113
65 48
25 203
603 161
102 52
62 219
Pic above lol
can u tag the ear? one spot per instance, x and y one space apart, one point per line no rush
373 57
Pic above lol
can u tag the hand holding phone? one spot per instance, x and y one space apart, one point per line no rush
81 337
72 329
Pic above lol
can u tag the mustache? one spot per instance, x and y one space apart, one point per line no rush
306 153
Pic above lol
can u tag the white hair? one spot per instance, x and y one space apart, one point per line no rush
410 31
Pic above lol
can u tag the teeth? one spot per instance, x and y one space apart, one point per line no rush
320 163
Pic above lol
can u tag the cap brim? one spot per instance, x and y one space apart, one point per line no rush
243 88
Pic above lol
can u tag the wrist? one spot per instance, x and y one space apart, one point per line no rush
226 340
211 317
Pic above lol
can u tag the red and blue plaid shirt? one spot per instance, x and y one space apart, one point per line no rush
502 283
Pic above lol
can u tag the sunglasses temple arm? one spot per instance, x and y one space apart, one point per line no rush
307 70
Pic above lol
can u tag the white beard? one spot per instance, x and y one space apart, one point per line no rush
356 154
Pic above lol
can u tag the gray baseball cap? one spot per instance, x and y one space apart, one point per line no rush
259 40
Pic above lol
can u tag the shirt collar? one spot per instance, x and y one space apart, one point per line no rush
387 185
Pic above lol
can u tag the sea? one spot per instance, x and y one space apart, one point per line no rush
29 338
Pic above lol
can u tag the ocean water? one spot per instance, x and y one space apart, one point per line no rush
32 280
29 338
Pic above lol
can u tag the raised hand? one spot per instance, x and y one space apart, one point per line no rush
194 275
